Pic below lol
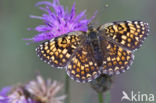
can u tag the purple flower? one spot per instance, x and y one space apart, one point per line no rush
46 91
3 95
14 95
58 22
35 91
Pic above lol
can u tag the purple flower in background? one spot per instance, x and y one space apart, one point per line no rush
58 22
35 91
14 95
45 91
3 95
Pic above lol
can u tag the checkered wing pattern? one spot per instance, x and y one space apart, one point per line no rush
58 51
129 34
116 60
82 66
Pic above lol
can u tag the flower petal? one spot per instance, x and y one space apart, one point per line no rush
59 21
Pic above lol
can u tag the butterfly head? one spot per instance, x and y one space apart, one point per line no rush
91 28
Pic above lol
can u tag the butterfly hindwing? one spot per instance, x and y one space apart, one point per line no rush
129 34
116 60
59 50
82 66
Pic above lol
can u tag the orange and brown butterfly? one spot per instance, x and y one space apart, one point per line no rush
108 49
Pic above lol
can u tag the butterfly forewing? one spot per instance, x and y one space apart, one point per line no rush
58 51
129 34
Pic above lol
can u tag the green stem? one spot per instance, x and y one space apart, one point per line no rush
67 90
100 96
107 97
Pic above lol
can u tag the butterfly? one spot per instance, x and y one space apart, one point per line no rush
108 49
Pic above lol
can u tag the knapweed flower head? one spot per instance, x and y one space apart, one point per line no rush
59 21
14 95
45 91
35 91
102 83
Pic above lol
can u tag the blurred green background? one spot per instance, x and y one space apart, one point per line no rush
19 63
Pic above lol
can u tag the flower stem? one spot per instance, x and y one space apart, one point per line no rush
100 96
107 97
67 90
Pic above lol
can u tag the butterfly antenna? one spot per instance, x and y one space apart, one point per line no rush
98 14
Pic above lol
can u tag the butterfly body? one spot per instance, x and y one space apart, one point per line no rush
108 49
93 40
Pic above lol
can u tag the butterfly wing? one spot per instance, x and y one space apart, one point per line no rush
58 51
116 60
82 66
129 34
